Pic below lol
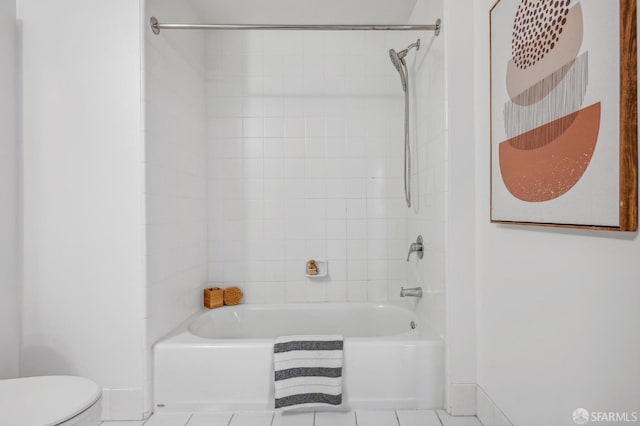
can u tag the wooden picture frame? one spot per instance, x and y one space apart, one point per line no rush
564 148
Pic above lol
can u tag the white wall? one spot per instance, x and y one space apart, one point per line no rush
558 310
9 281
83 196
460 269
176 178
305 161
298 12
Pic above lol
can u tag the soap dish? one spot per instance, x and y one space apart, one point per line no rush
323 269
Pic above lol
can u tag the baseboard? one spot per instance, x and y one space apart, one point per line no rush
462 401
488 412
122 404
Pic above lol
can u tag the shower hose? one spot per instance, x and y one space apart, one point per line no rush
407 145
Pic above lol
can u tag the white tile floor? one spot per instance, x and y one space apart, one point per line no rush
351 418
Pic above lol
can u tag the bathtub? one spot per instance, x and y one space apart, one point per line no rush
223 359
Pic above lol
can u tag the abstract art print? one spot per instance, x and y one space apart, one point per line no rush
564 113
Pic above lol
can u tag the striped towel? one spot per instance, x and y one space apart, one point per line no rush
308 371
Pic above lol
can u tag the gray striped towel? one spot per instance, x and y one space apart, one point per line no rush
308 371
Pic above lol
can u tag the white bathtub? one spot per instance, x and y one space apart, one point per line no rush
223 359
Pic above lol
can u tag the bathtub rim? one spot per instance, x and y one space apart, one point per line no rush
182 335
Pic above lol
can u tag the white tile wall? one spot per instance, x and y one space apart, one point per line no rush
428 214
176 179
305 161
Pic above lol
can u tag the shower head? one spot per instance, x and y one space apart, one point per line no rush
397 58
399 63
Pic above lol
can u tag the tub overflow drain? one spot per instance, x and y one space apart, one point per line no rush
413 325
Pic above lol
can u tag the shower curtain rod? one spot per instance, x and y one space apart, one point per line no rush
157 26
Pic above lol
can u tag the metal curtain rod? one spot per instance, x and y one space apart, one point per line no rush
157 26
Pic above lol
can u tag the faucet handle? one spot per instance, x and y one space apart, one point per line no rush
417 247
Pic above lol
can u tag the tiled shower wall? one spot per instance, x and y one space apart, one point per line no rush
428 213
305 161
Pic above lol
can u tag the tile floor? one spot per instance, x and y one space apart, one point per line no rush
351 418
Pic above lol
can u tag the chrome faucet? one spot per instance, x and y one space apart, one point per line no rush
411 292
416 247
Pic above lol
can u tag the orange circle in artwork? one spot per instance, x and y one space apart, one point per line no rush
536 170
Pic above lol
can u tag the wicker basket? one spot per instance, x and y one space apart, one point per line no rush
213 298
232 296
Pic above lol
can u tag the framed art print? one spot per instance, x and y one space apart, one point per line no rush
564 113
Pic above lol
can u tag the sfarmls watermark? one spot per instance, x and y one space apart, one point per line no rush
582 416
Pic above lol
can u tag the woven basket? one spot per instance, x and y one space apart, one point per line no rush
232 296
213 298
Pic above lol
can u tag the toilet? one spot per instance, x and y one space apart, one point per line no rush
49 401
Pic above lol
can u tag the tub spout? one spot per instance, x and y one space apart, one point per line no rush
411 292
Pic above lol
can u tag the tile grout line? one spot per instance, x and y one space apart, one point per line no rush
395 413
188 420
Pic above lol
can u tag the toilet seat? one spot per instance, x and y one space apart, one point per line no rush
45 400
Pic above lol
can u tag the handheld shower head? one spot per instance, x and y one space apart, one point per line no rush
397 58
398 62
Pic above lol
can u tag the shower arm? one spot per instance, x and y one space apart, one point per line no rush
412 45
